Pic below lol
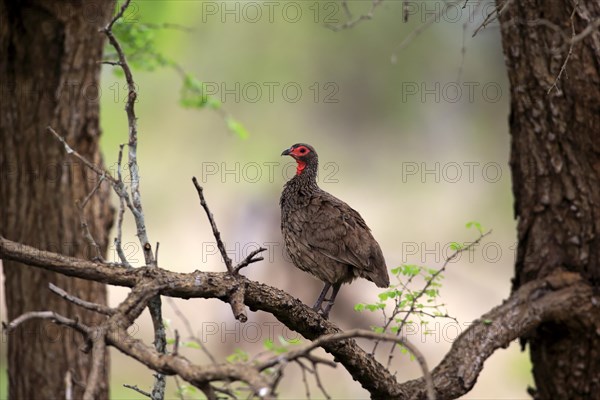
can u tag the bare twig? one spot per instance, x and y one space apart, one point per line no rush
190 330
236 300
319 383
87 234
137 389
85 161
98 358
132 144
351 22
51 315
357 333
571 44
68 385
493 16
249 260
120 214
176 345
213 225
154 306
160 343
82 303
179 388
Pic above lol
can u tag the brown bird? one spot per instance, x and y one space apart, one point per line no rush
323 235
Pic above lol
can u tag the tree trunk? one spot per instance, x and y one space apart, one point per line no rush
555 161
50 76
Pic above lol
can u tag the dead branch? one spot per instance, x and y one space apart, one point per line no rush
213 225
81 303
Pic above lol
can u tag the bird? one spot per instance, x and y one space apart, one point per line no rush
323 235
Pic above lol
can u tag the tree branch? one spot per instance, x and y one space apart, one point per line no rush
562 297
82 303
213 225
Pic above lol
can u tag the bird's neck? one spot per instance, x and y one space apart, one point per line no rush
305 179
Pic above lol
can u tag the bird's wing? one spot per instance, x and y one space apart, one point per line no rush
337 231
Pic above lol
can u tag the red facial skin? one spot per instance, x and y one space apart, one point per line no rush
296 153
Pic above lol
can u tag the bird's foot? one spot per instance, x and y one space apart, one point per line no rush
323 311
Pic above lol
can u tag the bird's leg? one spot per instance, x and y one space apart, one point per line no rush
317 306
336 289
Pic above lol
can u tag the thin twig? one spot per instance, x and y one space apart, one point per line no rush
493 16
357 333
68 385
428 283
98 359
176 345
179 387
51 315
213 225
99 308
81 158
120 213
87 234
249 260
352 22
319 383
94 190
135 205
572 43
190 330
132 143
137 389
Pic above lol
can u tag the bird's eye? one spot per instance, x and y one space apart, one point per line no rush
302 150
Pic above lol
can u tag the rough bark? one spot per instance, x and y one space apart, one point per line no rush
555 162
50 76
562 297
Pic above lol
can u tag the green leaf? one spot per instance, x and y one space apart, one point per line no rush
359 307
372 307
383 296
377 329
410 270
192 345
268 345
238 355
396 271
455 246
237 128
487 321
475 224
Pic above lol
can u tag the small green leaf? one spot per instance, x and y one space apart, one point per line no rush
237 128
487 321
359 307
268 344
238 355
377 329
475 224
410 270
372 307
455 246
396 271
191 345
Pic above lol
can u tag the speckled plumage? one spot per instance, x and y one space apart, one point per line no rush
323 235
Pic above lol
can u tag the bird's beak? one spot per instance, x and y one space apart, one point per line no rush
286 152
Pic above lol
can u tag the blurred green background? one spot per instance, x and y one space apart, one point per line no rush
418 146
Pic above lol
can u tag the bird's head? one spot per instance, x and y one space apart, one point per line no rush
304 154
